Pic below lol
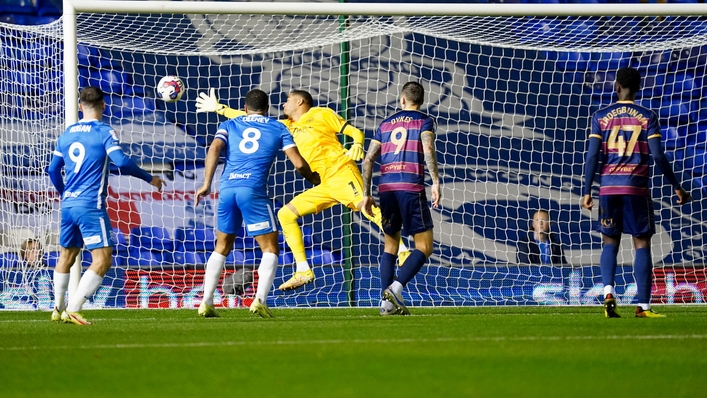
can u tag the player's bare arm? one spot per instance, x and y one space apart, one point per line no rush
209 169
374 150
302 166
428 147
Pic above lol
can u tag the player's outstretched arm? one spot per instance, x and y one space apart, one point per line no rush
428 147
209 169
374 150
302 166
209 103
355 151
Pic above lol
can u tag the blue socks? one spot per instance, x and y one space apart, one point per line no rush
608 264
643 271
411 267
387 269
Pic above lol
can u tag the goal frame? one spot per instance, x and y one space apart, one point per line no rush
71 9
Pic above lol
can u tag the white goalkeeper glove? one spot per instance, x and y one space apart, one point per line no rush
355 152
208 103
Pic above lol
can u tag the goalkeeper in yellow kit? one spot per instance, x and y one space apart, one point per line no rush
314 130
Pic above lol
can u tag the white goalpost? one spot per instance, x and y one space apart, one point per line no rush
512 87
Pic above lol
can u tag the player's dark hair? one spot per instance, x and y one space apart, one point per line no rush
307 97
91 97
629 78
257 101
413 92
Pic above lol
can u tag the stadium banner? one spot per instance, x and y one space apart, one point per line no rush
523 285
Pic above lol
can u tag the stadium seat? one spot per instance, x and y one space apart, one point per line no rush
697 133
51 259
195 239
610 61
651 61
48 7
142 258
189 258
701 181
88 56
244 242
17 7
683 85
121 243
151 238
689 58
36 20
677 111
569 61
601 84
322 256
696 160
582 30
235 257
674 137
531 30
129 107
10 19
110 81
702 111
9 260
652 85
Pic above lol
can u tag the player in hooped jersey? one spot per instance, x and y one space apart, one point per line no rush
623 138
405 142
84 151
252 141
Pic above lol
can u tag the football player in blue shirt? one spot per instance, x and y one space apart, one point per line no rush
252 141
623 138
84 151
405 142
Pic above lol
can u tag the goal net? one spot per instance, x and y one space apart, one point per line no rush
512 97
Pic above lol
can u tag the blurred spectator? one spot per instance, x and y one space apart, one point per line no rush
32 253
539 245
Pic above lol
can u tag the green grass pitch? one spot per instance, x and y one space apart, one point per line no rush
436 352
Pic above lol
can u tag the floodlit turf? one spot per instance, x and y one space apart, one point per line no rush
447 352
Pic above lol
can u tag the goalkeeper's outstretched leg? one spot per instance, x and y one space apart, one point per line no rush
288 216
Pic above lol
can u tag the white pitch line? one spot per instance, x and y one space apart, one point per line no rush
356 341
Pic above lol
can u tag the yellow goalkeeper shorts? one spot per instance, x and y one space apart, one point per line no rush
344 186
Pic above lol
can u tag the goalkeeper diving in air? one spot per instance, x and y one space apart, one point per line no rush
314 131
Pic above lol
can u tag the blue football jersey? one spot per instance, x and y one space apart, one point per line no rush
402 157
84 147
253 143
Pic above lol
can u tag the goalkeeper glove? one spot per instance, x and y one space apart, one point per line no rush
355 153
208 103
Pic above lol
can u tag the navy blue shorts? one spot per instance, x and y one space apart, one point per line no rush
631 214
409 210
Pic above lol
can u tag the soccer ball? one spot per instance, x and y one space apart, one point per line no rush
170 88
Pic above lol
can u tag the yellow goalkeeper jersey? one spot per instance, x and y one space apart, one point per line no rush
315 134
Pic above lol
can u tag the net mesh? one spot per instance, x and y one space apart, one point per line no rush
512 98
